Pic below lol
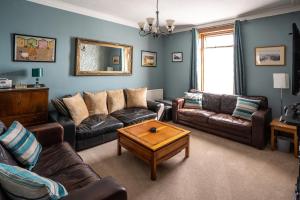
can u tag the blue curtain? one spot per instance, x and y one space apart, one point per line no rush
194 64
239 65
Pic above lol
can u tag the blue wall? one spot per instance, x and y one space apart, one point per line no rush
20 16
260 32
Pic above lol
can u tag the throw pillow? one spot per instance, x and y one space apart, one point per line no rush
20 183
115 100
22 144
193 100
60 106
77 108
136 98
96 102
245 108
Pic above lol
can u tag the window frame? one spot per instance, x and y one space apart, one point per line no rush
211 31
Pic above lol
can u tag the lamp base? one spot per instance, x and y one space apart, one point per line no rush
37 84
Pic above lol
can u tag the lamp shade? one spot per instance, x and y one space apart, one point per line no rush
37 72
281 80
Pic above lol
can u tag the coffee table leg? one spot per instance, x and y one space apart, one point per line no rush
187 151
119 147
153 168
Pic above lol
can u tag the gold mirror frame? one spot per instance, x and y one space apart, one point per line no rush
79 72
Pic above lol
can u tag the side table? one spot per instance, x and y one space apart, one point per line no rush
276 125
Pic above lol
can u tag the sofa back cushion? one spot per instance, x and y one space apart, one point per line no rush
77 108
136 98
5 156
115 100
96 103
228 103
211 102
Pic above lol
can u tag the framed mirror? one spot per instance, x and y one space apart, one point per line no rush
96 58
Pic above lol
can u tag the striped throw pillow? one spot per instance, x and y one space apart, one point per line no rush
22 144
19 183
245 108
192 100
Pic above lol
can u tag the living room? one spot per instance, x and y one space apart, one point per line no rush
114 100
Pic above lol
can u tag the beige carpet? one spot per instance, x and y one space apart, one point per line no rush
217 169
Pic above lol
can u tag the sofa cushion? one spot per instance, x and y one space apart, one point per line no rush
228 103
19 182
245 108
2 128
230 124
115 100
133 115
6 157
195 114
96 103
22 144
77 108
136 98
60 163
97 125
60 106
211 102
192 100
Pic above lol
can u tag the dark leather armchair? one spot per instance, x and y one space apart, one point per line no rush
68 168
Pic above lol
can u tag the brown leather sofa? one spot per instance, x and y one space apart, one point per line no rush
59 162
216 118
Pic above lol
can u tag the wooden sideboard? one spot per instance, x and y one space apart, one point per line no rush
28 106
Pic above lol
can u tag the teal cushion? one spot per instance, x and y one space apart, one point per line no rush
192 100
22 144
245 108
20 183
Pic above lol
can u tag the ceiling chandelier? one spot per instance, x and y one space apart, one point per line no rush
154 29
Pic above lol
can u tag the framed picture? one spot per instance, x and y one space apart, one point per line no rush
116 60
177 57
149 59
270 56
30 48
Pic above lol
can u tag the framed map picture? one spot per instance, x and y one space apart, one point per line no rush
149 59
29 48
270 56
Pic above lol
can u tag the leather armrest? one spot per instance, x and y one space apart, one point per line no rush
260 121
67 124
48 134
156 107
176 105
104 189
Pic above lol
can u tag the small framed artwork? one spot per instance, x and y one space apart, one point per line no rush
149 59
270 56
116 60
30 48
177 57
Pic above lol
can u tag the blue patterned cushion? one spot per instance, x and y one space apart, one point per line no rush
245 108
192 100
20 183
22 144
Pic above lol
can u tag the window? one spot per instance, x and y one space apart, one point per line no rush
216 74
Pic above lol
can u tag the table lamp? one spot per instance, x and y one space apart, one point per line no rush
37 73
281 81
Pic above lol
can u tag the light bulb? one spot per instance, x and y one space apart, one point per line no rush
150 21
170 22
141 25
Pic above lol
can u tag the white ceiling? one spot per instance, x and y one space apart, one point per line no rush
186 13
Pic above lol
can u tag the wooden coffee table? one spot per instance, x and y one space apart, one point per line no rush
153 147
